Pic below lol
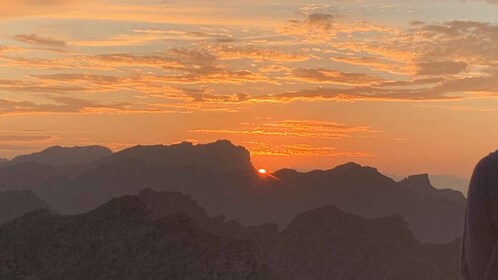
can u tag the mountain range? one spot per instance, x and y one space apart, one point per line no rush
221 177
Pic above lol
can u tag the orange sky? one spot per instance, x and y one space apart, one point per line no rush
405 86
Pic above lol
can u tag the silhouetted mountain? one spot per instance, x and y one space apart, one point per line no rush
3 162
421 183
58 155
14 204
245 195
121 240
221 177
218 157
326 243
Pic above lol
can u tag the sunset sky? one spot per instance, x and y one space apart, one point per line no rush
405 86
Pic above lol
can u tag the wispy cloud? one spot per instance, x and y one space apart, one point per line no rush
34 39
56 104
293 128
299 150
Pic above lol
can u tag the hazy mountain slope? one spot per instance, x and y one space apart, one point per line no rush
239 194
14 204
27 176
450 182
121 240
326 243
58 155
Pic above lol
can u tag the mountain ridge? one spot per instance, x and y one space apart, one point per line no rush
58 155
221 171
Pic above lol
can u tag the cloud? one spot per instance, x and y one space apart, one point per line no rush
9 49
251 52
34 39
322 75
12 85
112 61
25 138
322 26
56 104
377 63
362 94
442 67
294 128
464 41
16 8
287 150
319 56
278 134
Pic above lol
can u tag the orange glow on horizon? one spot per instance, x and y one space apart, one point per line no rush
262 171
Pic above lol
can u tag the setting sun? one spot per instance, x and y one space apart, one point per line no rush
239 138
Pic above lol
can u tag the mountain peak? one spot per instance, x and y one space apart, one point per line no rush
129 205
354 167
350 164
219 157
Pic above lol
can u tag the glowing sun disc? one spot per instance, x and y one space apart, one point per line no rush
262 171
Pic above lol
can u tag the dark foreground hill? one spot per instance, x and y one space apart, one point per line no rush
17 203
121 240
168 236
220 177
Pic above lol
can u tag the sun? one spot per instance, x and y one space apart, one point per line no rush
262 171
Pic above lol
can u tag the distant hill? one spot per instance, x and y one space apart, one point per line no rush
421 183
220 177
167 235
121 240
58 155
443 182
14 204
450 182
